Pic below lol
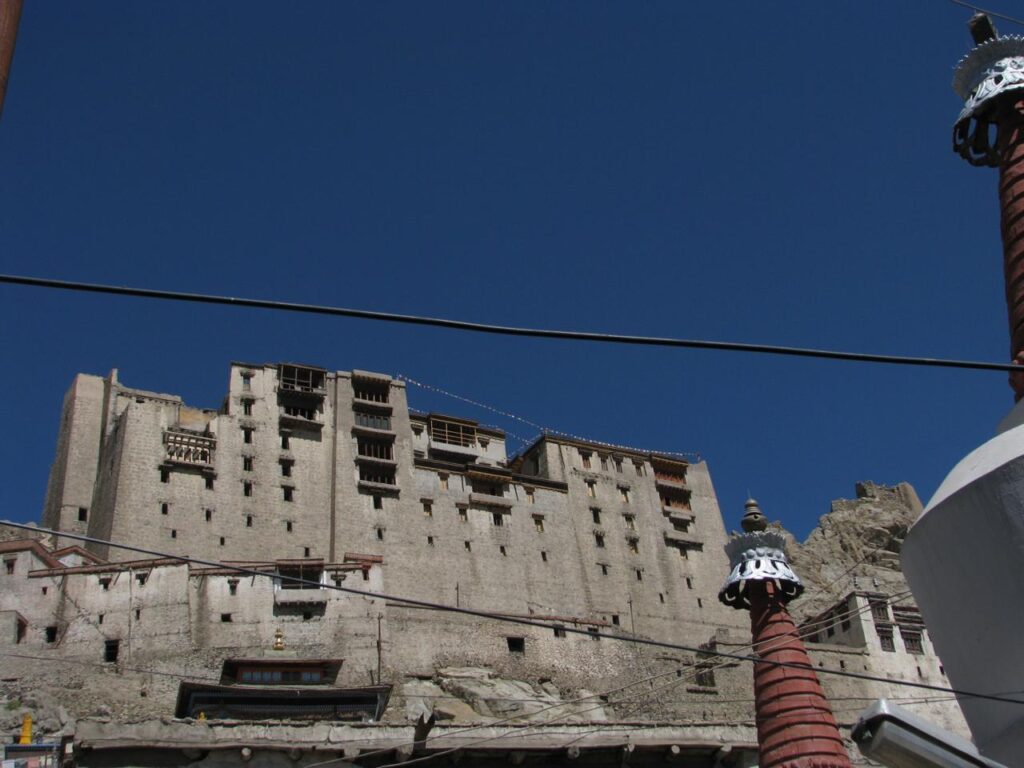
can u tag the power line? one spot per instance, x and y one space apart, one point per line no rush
505 618
505 330
1002 16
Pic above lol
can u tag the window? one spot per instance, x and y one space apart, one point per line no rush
45 590
504 552
593 634
591 489
225 618
138 614
595 513
247 488
661 597
165 508
51 634
83 514
288 526
222 541
543 556
615 619
305 551
585 458
498 518
604 461
247 463
599 540
247 407
373 420
286 441
99 618
428 508
639 574
380 534
309 414
376 474
232 586
443 482
700 603
529 495
165 476
468 546
634 545
430 541
209 483
452 433
516 644
378 501
248 521
559 631
246 434
604 568
297 378
681 525
624 494
286 469
639 467
689 583
879 610
105 583
630 522
288 492
371 391
538 523
246 381
110 650
912 640
9 567
618 465
846 624
174 533
208 514
271 675
374 449
885 639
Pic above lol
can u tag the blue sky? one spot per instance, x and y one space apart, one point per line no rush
737 171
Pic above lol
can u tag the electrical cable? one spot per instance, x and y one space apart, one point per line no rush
505 330
505 618
1002 16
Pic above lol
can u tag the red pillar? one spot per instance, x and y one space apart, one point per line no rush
795 726
1011 204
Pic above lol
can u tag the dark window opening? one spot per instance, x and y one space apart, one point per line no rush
232 586
174 533
285 442
585 458
110 650
83 514
912 640
288 492
544 556
516 644
281 676
246 434
375 449
428 509
288 526
248 521
498 518
468 546
599 540
247 463
105 584
225 618
885 639
373 420
209 515
604 569
309 414
689 583
222 541
247 407
376 474
286 469
99 618
247 488
297 378
305 551
9 566
430 541
51 634
640 576
559 631
165 508
504 552
165 476
595 514
373 392
209 483
138 614
45 590
380 534
661 597
378 501
615 619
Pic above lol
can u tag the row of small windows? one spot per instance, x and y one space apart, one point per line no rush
592 491
586 459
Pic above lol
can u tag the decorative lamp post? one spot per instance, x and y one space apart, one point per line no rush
990 132
795 726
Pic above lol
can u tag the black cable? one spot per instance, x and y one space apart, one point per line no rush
503 617
463 325
1002 16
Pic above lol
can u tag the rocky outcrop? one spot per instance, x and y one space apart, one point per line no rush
856 546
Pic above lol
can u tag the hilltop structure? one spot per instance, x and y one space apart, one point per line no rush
309 479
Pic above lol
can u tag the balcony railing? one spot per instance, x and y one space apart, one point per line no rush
189 448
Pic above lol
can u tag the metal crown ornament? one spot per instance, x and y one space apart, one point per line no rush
990 79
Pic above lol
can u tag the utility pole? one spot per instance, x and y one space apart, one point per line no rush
10 15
